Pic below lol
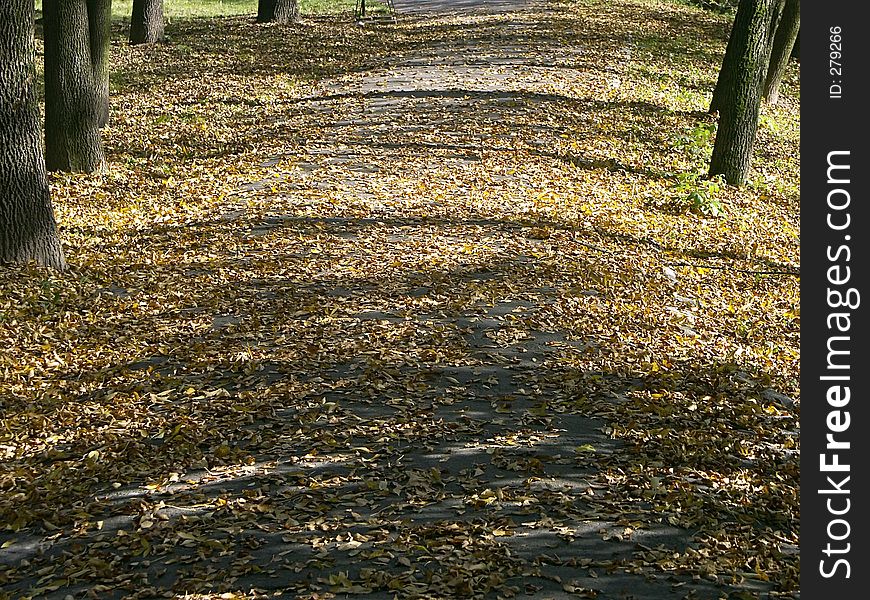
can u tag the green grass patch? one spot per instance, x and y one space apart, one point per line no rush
190 9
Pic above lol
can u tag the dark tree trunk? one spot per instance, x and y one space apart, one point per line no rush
796 49
277 11
146 22
729 74
783 42
74 103
27 227
100 30
744 67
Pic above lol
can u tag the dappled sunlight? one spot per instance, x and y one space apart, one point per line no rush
423 310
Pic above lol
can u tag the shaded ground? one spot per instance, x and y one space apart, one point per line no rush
447 7
447 338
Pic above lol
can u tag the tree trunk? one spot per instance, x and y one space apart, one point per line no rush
729 74
73 95
27 226
744 67
146 22
783 42
277 11
100 30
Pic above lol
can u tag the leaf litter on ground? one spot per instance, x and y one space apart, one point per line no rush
324 336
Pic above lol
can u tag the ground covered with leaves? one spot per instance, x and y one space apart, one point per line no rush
444 309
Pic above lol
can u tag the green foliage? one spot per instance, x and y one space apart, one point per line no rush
330 6
697 143
693 191
702 199
696 193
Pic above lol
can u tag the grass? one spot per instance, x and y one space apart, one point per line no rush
190 9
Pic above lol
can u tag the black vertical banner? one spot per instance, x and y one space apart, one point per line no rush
835 228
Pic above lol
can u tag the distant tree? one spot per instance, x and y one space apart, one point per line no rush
146 22
277 11
76 56
27 226
783 44
737 96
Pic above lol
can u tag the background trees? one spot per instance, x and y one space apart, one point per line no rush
27 225
277 11
76 82
76 53
146 22
783 44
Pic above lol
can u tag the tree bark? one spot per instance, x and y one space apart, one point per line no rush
277 11
146 22
28 231
783 43
729 73
743 68
100 34
74 94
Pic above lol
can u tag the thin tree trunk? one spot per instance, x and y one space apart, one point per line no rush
783 43
27 226
73 96
146 22
277 11
739 103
